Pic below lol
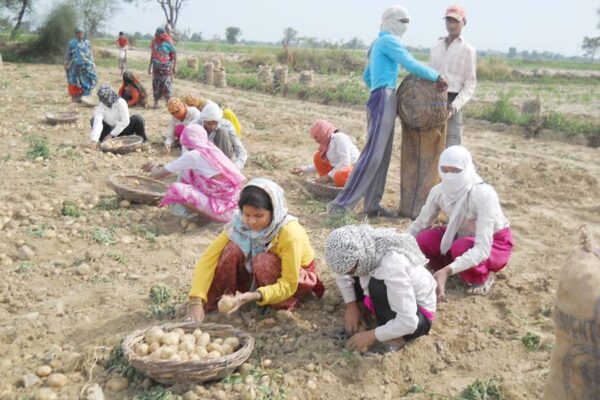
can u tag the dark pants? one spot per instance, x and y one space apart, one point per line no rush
383 311
136 127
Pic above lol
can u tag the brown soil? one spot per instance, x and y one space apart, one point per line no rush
76 298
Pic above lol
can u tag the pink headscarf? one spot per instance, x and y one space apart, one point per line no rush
322 131
194 137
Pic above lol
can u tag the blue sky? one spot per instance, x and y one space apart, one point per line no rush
549 25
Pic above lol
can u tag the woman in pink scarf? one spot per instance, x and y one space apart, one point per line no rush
209 182
335 157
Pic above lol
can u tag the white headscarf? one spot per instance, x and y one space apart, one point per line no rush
456 188
211 112
390 22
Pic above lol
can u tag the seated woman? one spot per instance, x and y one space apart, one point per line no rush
228 113
209 184
335 157
477 242
111 118
132 90
392 272
181 115
222 134
264 253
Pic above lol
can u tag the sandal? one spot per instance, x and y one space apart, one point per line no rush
483 289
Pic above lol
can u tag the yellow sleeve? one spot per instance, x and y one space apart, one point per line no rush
206 266
292 247
230 116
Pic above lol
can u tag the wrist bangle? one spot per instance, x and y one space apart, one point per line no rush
194 302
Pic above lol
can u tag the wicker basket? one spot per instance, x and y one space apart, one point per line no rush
89 101
122 144
420 104
321 190
62 117
138 189
171 372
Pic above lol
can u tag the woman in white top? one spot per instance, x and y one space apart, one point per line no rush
222 133
398 287
181 114
111 118
477 242
209 183
335 157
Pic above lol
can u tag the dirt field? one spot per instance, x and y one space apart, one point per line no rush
84 285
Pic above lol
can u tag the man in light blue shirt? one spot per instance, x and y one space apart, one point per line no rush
386 55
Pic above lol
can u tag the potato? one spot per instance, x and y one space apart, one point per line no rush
194 357
156 355
170 338
188 338
174 357
233 342
167 351
213 354
201 352
141 349
214 347
153 347
218 341
197 333
226 349
203 340
226 304
153 335
187 347
180 332
184 355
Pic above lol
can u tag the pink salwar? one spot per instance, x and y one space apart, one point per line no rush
430 240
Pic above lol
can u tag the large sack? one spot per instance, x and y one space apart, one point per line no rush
575 364
419 160
420 105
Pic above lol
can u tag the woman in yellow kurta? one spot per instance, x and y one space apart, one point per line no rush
228 113
264 254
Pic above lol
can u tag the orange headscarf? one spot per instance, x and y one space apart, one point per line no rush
177 108
322 131
192 101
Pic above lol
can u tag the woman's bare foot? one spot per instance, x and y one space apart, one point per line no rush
483 289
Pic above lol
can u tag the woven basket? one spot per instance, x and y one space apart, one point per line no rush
138 189
122 144
171 372
420 104
62 117
89 101
321 190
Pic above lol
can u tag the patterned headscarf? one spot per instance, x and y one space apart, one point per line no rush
107 95
456 188
252 242
361 246
177 108
322 131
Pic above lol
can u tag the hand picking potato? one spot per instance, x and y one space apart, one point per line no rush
226 304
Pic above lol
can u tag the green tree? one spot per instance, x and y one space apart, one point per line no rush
232 34
512 52
591 45
57 29
19 8
290 35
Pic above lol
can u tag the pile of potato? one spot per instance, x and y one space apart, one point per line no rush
177 345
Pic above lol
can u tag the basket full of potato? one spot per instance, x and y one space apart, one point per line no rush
187 352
